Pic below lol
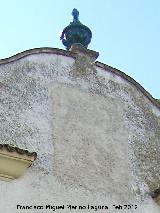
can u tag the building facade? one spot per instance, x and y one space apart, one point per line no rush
95 130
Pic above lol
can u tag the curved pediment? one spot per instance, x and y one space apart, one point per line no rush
72 54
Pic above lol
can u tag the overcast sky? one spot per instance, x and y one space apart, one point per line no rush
126 33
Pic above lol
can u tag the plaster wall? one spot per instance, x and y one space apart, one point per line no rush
96 135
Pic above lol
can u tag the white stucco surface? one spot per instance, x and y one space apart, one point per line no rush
96 136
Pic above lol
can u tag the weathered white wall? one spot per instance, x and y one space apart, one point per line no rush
96 135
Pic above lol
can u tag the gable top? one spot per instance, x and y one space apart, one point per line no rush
72 54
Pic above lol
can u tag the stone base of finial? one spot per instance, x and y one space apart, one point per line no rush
79 49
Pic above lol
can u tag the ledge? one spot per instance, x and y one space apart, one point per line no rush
14 161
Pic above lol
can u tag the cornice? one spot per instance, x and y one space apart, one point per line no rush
47 50
117 72
14 161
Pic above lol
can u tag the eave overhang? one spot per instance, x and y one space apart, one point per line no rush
14 161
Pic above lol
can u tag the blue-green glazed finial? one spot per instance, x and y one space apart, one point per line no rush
75 14
76 32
